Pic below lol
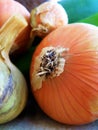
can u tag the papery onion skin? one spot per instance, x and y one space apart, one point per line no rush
13 86
17 97
72 97
46 17
9 8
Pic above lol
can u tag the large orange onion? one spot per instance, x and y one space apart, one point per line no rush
9 8
64 74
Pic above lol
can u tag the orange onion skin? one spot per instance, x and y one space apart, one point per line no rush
9 8
72 97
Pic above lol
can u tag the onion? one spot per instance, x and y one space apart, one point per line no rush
46 17
64 74
9 8
13 87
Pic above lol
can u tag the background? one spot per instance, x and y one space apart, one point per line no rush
32 118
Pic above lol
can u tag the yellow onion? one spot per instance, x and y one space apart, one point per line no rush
46 17
13 87
64 74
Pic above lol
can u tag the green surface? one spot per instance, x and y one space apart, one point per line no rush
79 9
93 19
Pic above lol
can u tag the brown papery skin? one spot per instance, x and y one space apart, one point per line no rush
72 97
9 8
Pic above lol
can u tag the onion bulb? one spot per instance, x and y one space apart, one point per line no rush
64 74
9 8
46 17
13 87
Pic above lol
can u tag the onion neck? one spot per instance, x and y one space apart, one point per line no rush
52 62
49 64
9 32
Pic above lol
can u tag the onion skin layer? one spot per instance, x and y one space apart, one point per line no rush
72 97
13 86
9 8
